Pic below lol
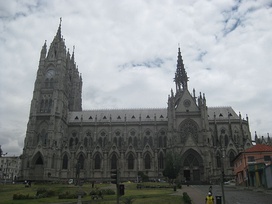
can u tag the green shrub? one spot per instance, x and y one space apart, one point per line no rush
22 197
44 193
186 198
108 191
67 195
103 192
128 200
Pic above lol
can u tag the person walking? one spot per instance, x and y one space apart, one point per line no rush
209 199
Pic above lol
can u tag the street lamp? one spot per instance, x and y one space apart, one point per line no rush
222 175
78 166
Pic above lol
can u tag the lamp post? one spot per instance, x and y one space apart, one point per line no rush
222 175
78 166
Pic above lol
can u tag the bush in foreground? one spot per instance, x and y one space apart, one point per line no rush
186 198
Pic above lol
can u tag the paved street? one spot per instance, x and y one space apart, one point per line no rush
233 195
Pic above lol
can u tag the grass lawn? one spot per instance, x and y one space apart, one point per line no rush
139 196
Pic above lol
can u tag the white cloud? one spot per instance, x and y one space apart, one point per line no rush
225 45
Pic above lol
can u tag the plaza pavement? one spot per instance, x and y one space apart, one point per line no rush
197 196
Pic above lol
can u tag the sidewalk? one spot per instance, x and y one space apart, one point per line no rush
196 195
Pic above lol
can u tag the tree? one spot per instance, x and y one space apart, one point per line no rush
172 165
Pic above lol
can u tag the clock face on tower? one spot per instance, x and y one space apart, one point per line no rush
50 73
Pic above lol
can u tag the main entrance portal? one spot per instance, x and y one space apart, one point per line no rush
192 166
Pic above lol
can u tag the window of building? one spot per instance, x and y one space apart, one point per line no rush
250 159
53 162
147 161
161 161
135 142
97 162
150 141
218 160
267 158
130 161
231 158
160 141
114 162
85 142
81 161
65 162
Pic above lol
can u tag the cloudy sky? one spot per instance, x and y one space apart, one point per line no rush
126 51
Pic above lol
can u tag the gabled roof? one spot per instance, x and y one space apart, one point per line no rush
119 115
259 148
221 113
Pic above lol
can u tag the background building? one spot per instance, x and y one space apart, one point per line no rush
252 167
60 134
9 168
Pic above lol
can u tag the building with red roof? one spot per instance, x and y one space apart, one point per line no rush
252 167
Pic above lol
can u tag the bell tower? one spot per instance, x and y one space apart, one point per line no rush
57 90
188 126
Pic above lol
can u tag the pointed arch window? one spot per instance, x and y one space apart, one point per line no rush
129 140
71 142
90 141
85 142
100 141
231 158
65 162
53 162
145 140
97 162
135 142
165 141
44 137
226 140
150 141
39 161
188 129
218 160
104 141
119 142
130 161
161 161
115 141
147 161
160 141
114 162
81 161
42 106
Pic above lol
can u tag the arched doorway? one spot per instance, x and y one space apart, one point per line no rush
192 166
38 170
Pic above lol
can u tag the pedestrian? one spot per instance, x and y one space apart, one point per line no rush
209 199
210 189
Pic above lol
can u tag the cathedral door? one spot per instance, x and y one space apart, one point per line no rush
192 165
38 170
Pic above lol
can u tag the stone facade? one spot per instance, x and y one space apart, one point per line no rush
60 134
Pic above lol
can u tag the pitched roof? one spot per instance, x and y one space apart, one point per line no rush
259 148
222 113
118 115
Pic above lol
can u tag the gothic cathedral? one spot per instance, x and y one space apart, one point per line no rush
60 134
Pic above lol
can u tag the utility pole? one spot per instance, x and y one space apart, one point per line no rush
222 176
115 179
78 182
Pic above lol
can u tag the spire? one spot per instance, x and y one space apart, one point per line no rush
73 55
59 30
43 51
181 77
